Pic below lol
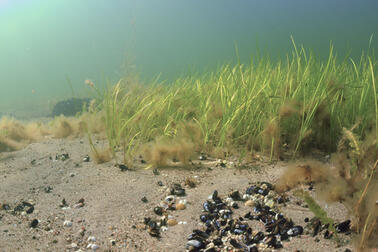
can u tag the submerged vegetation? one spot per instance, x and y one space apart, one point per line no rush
293 105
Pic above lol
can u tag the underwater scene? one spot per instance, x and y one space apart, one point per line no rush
168 125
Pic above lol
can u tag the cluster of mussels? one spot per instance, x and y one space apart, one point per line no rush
171 202
223 232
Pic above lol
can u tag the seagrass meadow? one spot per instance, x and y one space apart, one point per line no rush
294 105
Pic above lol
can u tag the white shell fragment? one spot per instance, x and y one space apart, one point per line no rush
67 223
91 239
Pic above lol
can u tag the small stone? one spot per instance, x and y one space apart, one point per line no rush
270 203
180 206
91 239
246 196
73 245
78 205
113 242
4 206
160 183
67 223
183 201
164 228
144 199
191 182
72 174
249 203
172 222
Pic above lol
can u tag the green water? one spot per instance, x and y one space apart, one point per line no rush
44 42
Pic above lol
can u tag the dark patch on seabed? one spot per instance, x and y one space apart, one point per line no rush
70 107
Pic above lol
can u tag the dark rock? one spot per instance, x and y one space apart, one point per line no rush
144 199
122 167
70 107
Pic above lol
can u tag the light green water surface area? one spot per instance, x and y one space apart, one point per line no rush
46 44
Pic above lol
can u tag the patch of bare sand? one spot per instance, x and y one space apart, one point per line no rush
113 208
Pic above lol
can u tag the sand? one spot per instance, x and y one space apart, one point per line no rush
113 210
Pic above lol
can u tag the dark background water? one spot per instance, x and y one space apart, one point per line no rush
42 42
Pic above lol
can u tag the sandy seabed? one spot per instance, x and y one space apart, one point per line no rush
113 210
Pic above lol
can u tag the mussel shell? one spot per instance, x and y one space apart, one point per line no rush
194 245
343 227
209 207
294 231
215 197
158 210
258 237
235 244
198 235
252 190
235 195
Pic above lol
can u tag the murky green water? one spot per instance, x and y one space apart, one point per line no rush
43 43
